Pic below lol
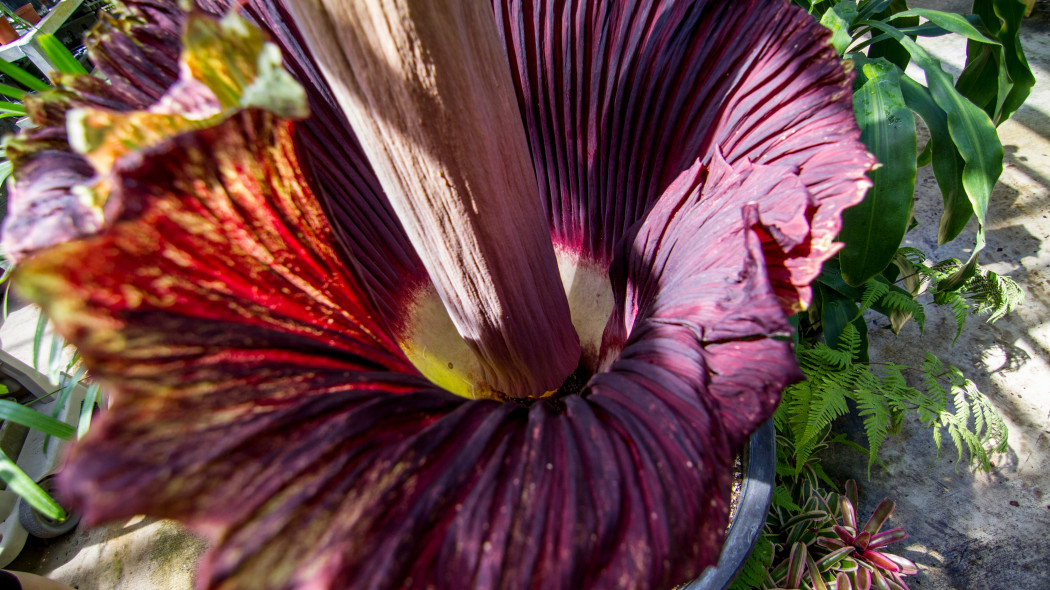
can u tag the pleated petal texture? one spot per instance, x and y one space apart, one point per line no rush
621 97
255 399
236 282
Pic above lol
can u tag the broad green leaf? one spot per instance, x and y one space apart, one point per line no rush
872 230
983 80
926 29
955 23
967 272
838 19
31 418
925 157
888 47
1006 67
21 484
54 366
947 162
22 77
831 276
870 8
974 136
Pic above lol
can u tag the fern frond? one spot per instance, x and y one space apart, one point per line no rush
988 432
755 570
825 406
782 499
821 359
944 269
959 306
873 291
993 295
850 341
877 420
905 306
912 255
811 407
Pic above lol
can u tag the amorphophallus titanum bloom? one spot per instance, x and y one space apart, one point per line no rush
283 373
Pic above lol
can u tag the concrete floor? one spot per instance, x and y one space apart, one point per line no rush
968 530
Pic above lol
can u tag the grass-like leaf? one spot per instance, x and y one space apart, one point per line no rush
22 77
12 108
87 409
31 418
21 484
59 56
12 92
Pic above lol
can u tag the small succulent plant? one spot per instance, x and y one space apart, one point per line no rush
876 567
826 548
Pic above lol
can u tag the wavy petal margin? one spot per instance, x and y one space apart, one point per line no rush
695 272
254 400
619 98
259 398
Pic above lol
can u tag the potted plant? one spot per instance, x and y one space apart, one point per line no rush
460 319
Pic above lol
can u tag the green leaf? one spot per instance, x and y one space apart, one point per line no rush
951 22
947 162
6 167
958 279
993 295
838 19
900 306
796 564
998 77
887 47
21 484
31 418
870 8
38 339
837 312
831 276
12 92
87 409
972 132
59 56
874 290
925 157
12 107
22 77
872 230
68 385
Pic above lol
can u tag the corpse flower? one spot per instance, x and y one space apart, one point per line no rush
456 301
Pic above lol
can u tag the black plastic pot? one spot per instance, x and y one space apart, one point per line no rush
759 462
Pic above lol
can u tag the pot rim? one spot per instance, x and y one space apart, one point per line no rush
756 494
